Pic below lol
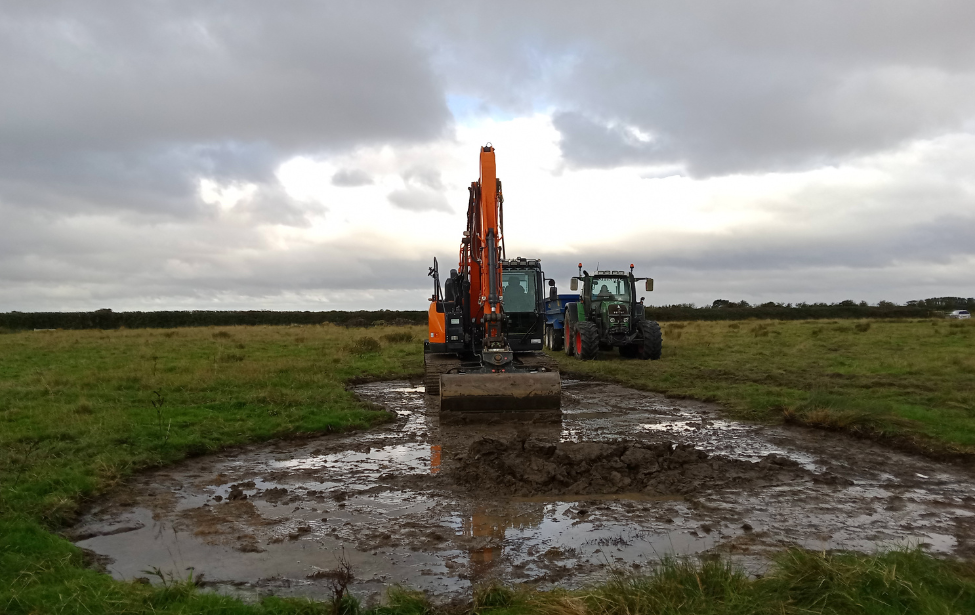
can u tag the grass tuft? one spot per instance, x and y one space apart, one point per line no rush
404 601
365 345
493 596
399 337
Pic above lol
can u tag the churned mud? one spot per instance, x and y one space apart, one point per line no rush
533 466
625 478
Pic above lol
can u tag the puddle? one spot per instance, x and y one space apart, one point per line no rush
272 519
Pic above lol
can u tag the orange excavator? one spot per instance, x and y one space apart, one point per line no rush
473 357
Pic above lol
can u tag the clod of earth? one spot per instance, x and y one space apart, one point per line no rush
533 467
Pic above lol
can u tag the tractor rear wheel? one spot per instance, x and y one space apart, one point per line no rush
651 345
586 340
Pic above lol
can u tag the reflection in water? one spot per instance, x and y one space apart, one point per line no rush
434 459
486 525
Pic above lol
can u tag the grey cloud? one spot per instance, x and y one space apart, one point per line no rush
424 177
351 178
97 75
417 199
155 181
898 264
752 86
272 205
112 112
943 241
62 263
126 107
589 143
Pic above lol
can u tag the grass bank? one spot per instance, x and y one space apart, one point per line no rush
912 382
81 410
799 582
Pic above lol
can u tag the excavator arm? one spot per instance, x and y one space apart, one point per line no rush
489 380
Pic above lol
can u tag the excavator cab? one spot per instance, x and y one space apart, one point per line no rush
523 303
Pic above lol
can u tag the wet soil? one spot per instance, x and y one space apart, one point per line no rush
533 466
624 478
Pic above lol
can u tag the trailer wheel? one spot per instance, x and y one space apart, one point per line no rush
557 335
586 340
651 345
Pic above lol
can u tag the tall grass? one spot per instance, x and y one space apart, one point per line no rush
81 410
910 381
904 582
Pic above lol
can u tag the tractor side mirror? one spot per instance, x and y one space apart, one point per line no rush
574 284
649 284
551 282
553 294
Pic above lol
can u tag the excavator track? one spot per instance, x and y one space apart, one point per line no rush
433 366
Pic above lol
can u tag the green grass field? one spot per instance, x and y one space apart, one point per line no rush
81 410
913 381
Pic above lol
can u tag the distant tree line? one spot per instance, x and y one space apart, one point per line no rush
742 310
718 310
107 319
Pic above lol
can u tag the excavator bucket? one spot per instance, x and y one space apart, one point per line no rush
505 392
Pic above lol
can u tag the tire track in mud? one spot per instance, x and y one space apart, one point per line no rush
623 479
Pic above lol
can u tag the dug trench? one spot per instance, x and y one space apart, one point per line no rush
623 479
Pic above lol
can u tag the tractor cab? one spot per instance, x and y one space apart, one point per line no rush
609 300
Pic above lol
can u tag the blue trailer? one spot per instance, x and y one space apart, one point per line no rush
555 320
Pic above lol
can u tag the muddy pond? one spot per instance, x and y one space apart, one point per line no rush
623 479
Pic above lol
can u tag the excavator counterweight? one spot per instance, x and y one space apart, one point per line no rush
482 357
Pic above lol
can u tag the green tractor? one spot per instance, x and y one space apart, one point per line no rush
608 315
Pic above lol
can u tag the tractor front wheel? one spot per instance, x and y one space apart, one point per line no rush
651 345
586 340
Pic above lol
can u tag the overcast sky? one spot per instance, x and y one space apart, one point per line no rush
315 155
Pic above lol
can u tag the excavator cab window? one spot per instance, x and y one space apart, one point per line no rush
518 291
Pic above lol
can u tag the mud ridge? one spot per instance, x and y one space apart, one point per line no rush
533 467
915 444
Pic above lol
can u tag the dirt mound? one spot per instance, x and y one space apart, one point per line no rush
533 467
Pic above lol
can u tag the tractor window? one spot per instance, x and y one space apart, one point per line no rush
610 289
518 291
